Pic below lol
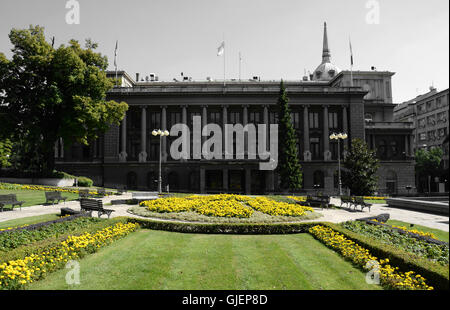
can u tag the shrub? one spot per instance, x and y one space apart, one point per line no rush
85 182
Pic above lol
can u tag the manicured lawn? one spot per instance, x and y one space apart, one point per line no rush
374 201
440 234
29 220
149 259
33 197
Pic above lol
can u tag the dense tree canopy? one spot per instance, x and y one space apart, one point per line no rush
288 162
47 93
428 162
361 165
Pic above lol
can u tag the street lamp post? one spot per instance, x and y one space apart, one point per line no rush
338 137
160 133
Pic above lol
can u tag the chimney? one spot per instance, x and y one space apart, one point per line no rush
137 77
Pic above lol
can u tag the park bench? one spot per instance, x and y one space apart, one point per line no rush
90 205
348 200
10 199
51 197
84 193
314 201
359 201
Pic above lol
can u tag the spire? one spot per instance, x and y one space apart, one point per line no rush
326 56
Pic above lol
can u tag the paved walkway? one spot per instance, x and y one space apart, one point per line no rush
329 215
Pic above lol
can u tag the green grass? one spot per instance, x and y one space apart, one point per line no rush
440 234
33 197
29 220
149 259
383 201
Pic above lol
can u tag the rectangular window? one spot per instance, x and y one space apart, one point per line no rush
333 120
315 148
234 118
254 118
215 118
422 136
295 117
155 120
314 120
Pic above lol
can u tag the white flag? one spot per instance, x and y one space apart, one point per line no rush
221 49
115 55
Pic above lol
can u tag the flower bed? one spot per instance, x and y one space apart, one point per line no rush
224 205
390 277
17 273
434 252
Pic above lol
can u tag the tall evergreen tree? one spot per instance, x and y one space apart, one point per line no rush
361 165
289 167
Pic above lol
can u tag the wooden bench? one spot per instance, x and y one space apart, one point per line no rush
322 201
10 199
348 200
359 201
51 197
90 205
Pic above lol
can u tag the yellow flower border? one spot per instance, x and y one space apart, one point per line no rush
390 277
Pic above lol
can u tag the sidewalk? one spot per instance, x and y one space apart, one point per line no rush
329 215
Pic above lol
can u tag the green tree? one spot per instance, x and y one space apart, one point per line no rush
360 167
288 163
5 153
48 93
428 163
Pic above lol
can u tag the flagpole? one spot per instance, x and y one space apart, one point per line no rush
351 62
239 66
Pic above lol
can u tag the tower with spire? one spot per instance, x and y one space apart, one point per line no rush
326 70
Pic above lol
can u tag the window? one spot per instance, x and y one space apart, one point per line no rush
431 120
215 117
313 120
421 109
174 118
295 117
254 118
394 148
273 118
334 149
382 149
368 117
333 120
421 123
315 148
155 120
234 118
422 136
439 102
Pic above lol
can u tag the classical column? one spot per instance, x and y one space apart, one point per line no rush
244 122
266 122
185 133
123 140
204 121
345 125
224 135
326 135
406 145
143 153
306 153
164 139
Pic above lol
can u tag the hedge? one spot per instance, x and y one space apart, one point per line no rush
226 228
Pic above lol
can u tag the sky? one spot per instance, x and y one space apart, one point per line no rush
276 38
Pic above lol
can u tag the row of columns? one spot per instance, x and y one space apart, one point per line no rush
306 142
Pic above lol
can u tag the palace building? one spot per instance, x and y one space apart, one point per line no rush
329 100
